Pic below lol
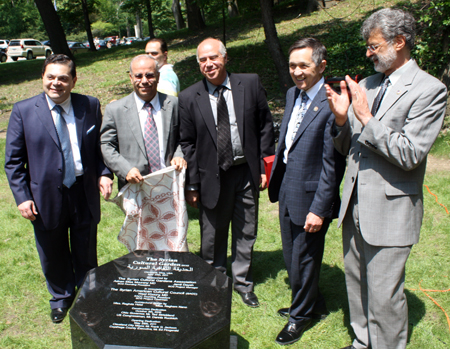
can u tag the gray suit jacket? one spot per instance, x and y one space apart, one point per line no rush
387 158
121 138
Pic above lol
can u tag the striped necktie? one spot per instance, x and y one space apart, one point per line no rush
151 140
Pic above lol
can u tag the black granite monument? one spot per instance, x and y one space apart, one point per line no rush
153 299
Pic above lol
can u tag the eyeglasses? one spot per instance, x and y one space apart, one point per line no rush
148 76
373 48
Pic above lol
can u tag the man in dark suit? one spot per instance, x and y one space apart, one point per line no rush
125 147
305 180
226 130
54 167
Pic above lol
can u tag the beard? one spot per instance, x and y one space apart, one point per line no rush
385 60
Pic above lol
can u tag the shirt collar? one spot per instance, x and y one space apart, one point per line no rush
312 92
212 88
140 102
65 105
395 76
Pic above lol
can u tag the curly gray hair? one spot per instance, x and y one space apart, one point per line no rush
391 22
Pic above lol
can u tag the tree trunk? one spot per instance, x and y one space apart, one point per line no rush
149 19
138 26
274 46
53 27
312 6
233 9
194 16
87 25
176 10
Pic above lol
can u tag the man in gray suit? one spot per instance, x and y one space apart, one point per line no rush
140 132
394 119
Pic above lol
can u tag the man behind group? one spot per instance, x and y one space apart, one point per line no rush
393 121
140 132
168 80
226 130
305 179
55 169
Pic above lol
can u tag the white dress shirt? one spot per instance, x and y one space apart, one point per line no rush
69 117
311 93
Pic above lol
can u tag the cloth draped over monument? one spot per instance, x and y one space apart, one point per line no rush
156 216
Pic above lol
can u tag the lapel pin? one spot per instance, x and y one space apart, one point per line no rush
316 108
399 91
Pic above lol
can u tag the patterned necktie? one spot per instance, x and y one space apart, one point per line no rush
224 148
301 113
66 147
380 95
151 140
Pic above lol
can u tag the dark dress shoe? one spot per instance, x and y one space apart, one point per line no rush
58 314
249 298
292 332
284 312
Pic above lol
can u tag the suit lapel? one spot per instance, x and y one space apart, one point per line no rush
290 102
44 114
314 109
166 115
237 90
204 105
398 90
79 111
132 116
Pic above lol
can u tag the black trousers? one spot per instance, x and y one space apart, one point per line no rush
303 253
238 204
67 257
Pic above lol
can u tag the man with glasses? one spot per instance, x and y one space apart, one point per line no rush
140 132
394 119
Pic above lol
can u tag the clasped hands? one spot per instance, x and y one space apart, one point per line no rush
339 103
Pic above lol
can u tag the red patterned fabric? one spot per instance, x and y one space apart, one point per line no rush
156 216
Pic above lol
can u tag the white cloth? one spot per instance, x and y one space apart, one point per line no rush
156 216
156 112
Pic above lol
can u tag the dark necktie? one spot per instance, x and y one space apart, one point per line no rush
380 95
301 113
224 148
151 140
66 147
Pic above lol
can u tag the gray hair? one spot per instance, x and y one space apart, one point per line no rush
222 48
391 23
139 57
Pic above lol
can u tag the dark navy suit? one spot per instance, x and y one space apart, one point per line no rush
309 182
34 167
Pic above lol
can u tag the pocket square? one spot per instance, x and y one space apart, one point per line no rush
90 130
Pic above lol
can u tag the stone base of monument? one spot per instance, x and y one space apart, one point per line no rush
153 299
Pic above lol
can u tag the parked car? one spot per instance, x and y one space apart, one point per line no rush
28 48
101 44
77 47
4 43
131 40
3 56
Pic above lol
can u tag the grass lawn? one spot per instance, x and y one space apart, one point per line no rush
24 310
